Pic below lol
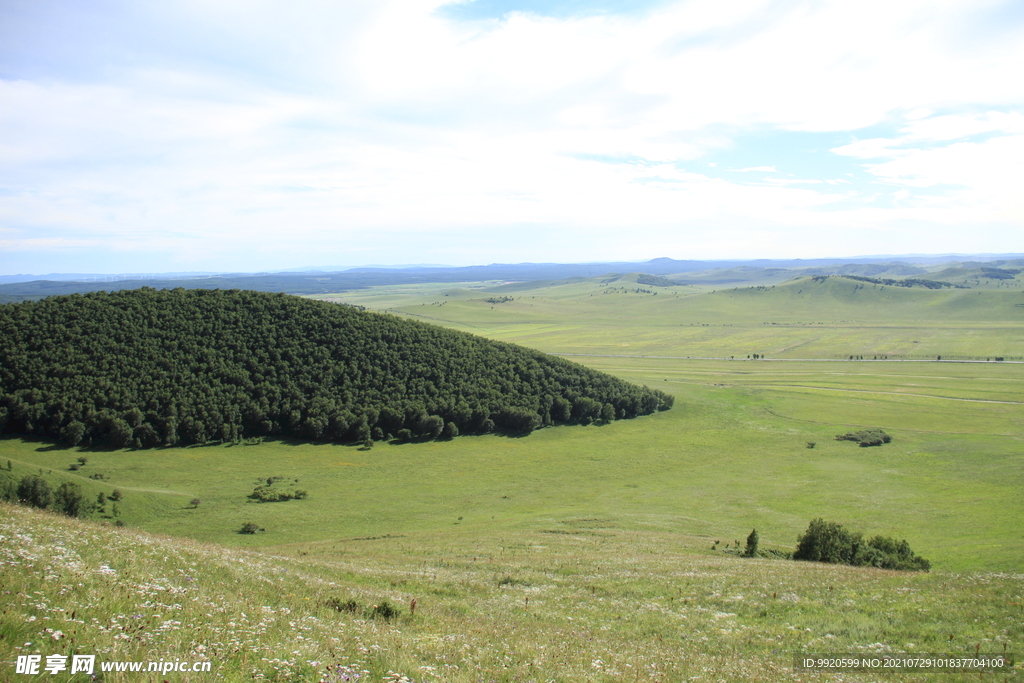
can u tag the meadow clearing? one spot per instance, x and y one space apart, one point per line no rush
579 553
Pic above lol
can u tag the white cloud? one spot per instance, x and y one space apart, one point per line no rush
319 128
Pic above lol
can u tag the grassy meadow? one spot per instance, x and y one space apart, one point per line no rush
578 553
799 319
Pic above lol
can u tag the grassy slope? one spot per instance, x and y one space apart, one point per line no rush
582 602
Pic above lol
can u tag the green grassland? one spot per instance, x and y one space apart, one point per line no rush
607 530
801 318
580 601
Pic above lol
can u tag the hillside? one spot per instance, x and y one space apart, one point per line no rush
146 368
562 607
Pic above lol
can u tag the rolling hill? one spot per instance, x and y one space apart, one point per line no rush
146 368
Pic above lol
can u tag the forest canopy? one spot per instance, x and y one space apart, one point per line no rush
145 368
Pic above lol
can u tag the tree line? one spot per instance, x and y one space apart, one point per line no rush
146 368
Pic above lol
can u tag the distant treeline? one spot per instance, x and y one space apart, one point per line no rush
906 282
145 368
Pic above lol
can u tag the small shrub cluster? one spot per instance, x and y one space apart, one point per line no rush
830 542
866 437
382 610
510 581
250 528
268 493
338 605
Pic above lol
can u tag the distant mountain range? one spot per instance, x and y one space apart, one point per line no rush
21 287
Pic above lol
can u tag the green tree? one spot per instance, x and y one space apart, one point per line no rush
33 490
8 489
120 434
72 433
752 540
825 542
450 431
69 499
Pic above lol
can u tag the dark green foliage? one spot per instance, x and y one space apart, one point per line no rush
271 494
752 540
339 605
249 528
72 433
383 610
866 437
33 490
115 494
830 542
905 282
8 488
145 368
69 499
656 280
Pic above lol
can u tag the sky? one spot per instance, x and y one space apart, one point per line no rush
249 135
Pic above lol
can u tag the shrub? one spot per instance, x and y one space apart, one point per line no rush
194 503
115 494
338 606
269 494
510 581
8 489
249 528
68 498
830 542
825 542
866 437
33 490
383 610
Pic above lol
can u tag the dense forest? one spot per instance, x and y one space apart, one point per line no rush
146 368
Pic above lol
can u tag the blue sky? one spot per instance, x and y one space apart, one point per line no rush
145 136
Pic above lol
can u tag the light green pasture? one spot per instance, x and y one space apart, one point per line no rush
802 318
